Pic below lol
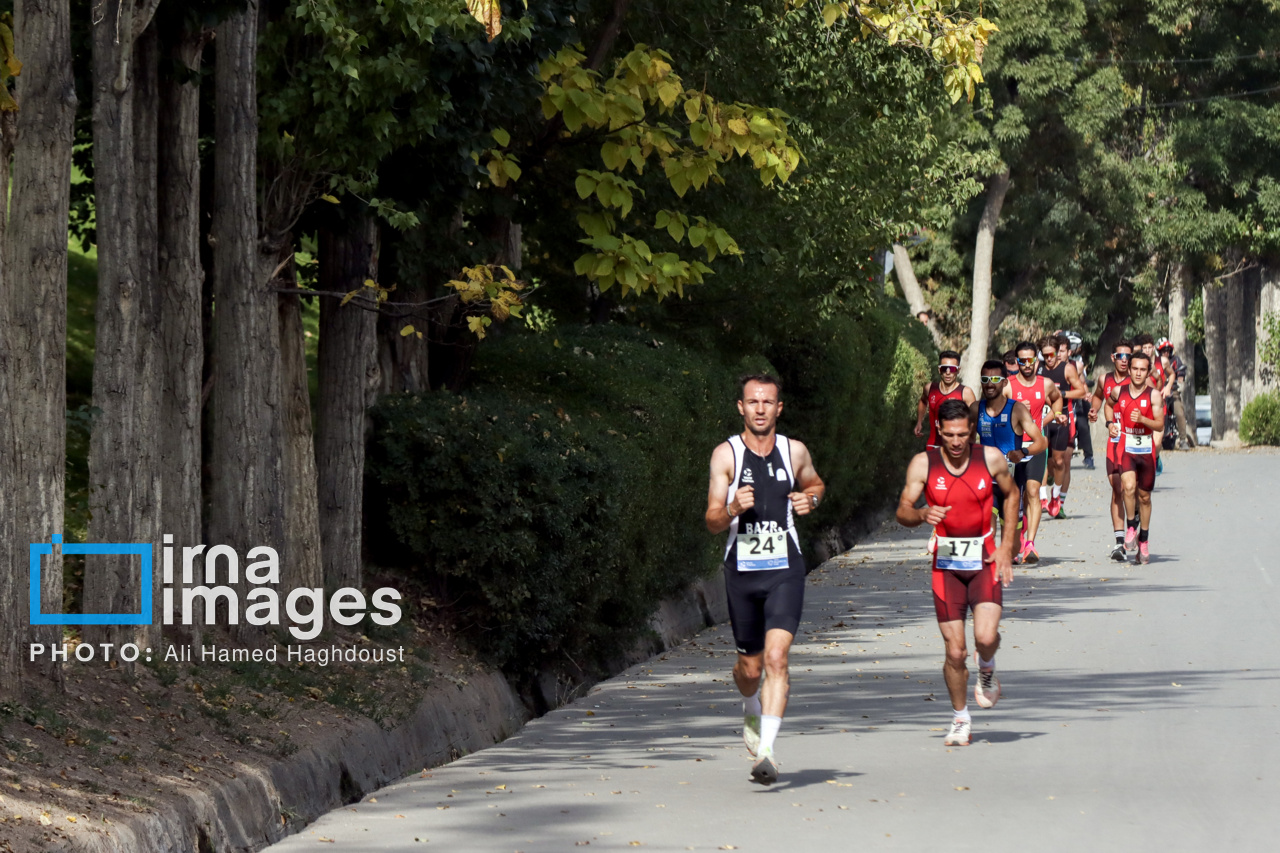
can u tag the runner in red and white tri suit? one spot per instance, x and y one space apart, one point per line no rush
1044 401
947 387
1105 393
1139 418
957 480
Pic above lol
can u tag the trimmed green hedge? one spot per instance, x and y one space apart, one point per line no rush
1260 420
562 496
558 501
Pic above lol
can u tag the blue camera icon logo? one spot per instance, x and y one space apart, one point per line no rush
38 549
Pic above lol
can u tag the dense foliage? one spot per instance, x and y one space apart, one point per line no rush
1260 420
560 498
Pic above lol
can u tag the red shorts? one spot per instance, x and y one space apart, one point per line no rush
954 593
1144 465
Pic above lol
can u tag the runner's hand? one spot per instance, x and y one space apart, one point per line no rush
743 500
919 430
935 514
1061 417
1004 564
1021 455
1093 416
1113 429
801 503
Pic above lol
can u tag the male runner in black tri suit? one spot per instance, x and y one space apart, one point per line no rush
1059 369
759 482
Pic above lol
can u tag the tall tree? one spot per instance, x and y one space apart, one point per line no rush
246 506
33 281
124 497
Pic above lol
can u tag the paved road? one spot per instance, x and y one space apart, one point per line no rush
1140 712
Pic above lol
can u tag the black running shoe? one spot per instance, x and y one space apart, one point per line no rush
764 771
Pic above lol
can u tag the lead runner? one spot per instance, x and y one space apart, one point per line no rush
968 568
759 482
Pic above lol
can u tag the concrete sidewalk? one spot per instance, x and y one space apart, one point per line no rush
1139 712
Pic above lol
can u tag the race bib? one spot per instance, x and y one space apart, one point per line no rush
1139 445
760 552
960 554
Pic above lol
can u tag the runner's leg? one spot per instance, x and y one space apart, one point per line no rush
954 669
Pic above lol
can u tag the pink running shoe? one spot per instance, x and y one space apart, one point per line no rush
1029 552
1054 507
1144 554
1044 504
1130 539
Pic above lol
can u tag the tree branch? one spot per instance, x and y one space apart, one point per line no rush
1005 304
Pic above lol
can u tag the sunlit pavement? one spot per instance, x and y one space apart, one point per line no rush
1139 711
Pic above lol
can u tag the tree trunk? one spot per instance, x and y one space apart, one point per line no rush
1005 304
979 326
301 560
246 506
1268 303
123 502
911 289
1182 348
181 336
347 366
33 321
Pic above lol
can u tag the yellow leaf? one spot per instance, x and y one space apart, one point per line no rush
489 13
739 126
407 330
328 198
831 13
348 298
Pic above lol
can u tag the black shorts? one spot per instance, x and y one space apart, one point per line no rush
762 601
1059 436
1035 468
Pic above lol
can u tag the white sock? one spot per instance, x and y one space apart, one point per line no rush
769 726
963 714
986 664
751 704
1057 490
1044 493
1062 496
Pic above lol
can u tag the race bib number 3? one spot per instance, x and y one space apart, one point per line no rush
1139 445
959 554
760 552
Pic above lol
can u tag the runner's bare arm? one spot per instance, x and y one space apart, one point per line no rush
1096 402
974 437
922 408
968 395
908 515
1157 408
1078 390
718 515
1039 443
1009 512
811 487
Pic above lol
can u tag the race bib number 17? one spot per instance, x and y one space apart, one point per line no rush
959 554
759 552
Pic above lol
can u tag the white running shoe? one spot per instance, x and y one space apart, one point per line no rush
751 732
987 691
765 771
959 734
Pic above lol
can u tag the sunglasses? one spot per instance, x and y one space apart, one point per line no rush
1120 356
1026 361
992 380
948 368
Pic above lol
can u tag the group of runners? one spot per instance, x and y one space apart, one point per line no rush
994 464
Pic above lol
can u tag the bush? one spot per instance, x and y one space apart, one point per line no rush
1260 420
851 394
562 497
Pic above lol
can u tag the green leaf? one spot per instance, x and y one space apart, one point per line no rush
502 137
697 234
585 185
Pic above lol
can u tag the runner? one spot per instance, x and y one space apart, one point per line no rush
958 480
1105 393
1156 379
1010 364
936 393
1002 422
1044 401
759 481
1175 370
1083 439
1058 368
1139 418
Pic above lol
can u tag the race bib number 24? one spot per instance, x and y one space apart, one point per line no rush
759 552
